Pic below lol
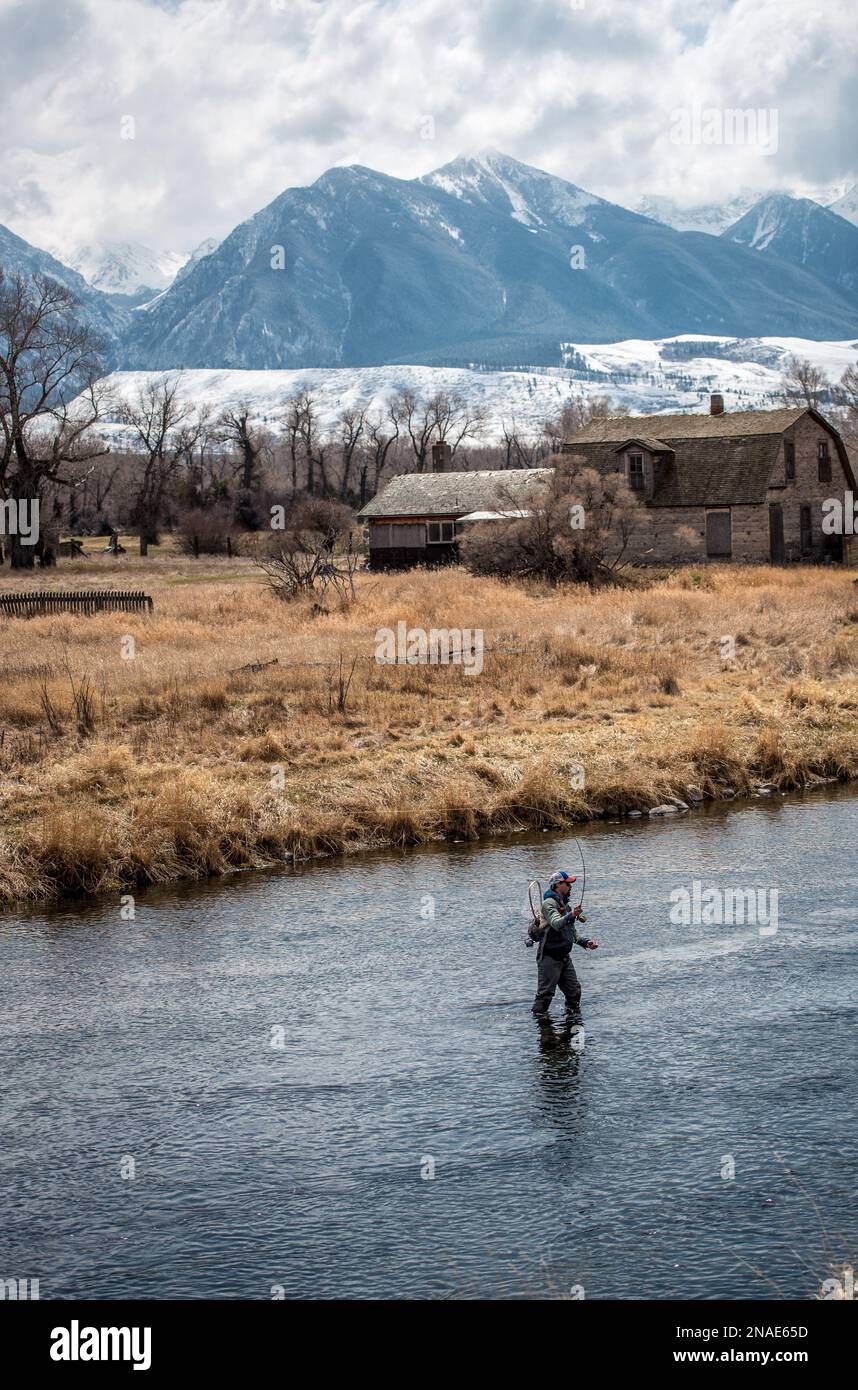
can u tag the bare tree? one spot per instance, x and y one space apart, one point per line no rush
846 396
350 427
802 383
307 445
455 421
292 422
579 411
378 444
446 416
416 422
50 395
519 452
315 447
208 469
166 430
250 443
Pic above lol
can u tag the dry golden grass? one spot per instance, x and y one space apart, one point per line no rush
179 763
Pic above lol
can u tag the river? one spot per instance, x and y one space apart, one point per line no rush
327 1082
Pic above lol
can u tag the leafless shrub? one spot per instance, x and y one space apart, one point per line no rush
305 559
577 528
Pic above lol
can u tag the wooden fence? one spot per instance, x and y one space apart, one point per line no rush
86 601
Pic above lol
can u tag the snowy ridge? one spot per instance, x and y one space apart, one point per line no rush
647 376
712 218
846 205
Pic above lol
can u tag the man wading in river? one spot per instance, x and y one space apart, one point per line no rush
557 935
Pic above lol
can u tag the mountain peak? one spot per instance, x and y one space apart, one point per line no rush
799 230
529 195
123 267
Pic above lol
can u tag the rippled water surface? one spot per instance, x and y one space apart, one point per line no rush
407 1047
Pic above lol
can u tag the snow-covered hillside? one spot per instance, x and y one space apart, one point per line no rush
646 376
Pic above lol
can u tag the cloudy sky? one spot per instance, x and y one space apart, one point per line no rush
168 121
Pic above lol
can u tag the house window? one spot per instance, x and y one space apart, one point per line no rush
806 531
824 461
396 536
440 532
719 534
789 458
636 471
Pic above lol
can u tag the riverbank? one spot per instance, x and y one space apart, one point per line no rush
234 730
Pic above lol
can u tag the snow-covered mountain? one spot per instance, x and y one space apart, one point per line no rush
667 374
123 267
713 218
205 248
800 231
486 260
17 255
716 217
846 205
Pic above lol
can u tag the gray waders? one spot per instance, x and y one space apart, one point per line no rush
554 973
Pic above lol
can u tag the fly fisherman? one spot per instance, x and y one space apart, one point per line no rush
556 939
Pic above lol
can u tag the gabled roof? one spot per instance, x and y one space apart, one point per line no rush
646 441
619 428
456 494
702 472
719 472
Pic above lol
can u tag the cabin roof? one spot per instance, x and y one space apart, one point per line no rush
456 494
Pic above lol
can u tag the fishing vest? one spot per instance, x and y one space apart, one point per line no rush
557 942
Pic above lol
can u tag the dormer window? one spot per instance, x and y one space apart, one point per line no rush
636 471
824 461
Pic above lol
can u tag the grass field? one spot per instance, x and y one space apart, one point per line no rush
124 764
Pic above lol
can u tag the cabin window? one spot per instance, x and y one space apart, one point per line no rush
636 470
385 535
440 532
824 460
806 531
719 533
789 458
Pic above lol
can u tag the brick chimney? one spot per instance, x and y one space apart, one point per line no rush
441 457
716 405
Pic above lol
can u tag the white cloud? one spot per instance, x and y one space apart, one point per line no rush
234 100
